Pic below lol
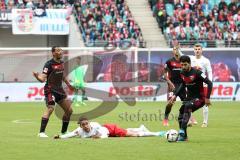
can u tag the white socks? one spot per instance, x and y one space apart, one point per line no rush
135 129
205 114
142 128
147 134
142 131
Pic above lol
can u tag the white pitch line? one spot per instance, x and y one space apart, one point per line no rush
23 121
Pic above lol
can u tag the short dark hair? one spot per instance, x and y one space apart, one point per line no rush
82 119
185 58
54 48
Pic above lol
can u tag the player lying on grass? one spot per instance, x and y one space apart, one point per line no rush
88 129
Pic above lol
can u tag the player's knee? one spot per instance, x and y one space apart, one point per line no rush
180 117
70 111
181 110
189 105
50 110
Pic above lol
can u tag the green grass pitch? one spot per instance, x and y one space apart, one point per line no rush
220 141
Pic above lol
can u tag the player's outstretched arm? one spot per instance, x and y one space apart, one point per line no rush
65 136
40 76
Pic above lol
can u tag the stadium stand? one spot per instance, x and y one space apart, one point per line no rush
107 22
210 22
40 4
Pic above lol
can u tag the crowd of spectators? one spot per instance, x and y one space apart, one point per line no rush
208 22
102 22
108 22
38 4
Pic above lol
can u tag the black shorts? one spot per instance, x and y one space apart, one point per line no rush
195 104
182 94
52 97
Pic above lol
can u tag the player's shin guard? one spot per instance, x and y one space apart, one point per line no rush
205 114
186 116
44 123
180 119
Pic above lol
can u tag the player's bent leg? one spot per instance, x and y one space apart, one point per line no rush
168 109
166 114
48 112
184 116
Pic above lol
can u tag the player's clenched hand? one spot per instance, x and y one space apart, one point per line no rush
35 74
56 137
207 102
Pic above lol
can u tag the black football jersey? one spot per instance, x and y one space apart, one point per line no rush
173 67
193 82
55 73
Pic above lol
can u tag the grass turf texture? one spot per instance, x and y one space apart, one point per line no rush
219 141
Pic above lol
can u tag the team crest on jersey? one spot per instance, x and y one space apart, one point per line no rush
192 77
45 70
58 66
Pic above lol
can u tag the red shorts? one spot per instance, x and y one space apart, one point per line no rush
115 131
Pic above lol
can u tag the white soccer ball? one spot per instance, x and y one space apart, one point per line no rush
172 135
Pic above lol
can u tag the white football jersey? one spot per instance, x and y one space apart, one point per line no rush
202 64
96 128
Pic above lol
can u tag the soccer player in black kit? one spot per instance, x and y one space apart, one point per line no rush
192 80
172 76
53 75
